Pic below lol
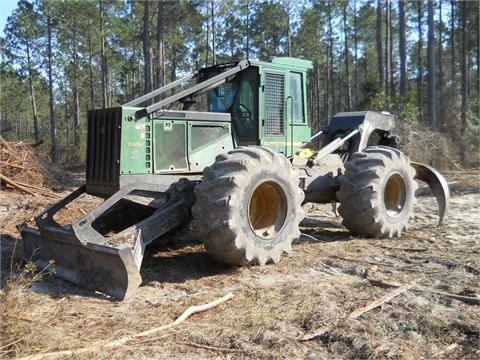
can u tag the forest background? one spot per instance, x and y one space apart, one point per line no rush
420 60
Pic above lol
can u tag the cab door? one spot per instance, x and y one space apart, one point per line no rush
297 128
284 112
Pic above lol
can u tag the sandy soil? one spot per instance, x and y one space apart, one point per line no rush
298 308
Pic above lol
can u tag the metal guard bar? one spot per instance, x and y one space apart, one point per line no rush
200 86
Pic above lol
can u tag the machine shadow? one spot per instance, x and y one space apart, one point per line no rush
183 259
322 231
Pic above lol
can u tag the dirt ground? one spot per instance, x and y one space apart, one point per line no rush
299 308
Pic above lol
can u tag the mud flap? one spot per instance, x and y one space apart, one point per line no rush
438 184
84 255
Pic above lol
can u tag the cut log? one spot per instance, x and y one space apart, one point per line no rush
15 185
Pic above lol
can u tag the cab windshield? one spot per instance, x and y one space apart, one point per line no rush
239 97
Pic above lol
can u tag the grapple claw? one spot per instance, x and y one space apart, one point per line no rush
438 184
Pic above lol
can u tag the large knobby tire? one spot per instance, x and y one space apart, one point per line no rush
248 206
377 192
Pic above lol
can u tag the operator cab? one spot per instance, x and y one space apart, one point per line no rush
266 101
239 97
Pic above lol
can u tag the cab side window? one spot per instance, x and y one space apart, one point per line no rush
296 92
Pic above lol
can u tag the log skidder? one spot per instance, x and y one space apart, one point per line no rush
146 159
248 206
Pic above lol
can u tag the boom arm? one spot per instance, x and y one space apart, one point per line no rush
242 65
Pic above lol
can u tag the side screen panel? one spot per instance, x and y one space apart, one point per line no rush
274 104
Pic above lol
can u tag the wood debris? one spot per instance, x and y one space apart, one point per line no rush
472 300
23 168
315 334
380 301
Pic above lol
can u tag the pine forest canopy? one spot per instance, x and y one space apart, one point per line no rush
417 59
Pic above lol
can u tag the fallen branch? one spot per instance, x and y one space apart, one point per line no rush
466 299
15 185
382 300
40 190
357 261
325 268
32 186
405 249
311 237
211 348
20 317
115 343
5 163
12 343
316 334
383 284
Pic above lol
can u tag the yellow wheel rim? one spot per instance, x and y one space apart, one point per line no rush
267 209
395 195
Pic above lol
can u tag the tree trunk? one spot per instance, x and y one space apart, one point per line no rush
247 50
379 46
76 100
441 81
160 46
90 71
173 74
463 88
207 44
390 42
452 40
212 13
330 58
387 47
65 100
347 72
355 36
432 86
104 76
420 63
317 75
53 123
478 55
317 92
32 95
402 5
289 33
147 51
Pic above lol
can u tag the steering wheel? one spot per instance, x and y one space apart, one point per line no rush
246 114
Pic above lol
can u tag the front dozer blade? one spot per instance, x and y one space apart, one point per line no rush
103 251
438 184
102 268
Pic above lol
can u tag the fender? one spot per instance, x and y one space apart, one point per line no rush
438 184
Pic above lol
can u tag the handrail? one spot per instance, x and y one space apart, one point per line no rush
242 65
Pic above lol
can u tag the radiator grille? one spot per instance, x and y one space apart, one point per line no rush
103 151
274 109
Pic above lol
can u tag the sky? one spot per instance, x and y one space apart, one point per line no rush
6 8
